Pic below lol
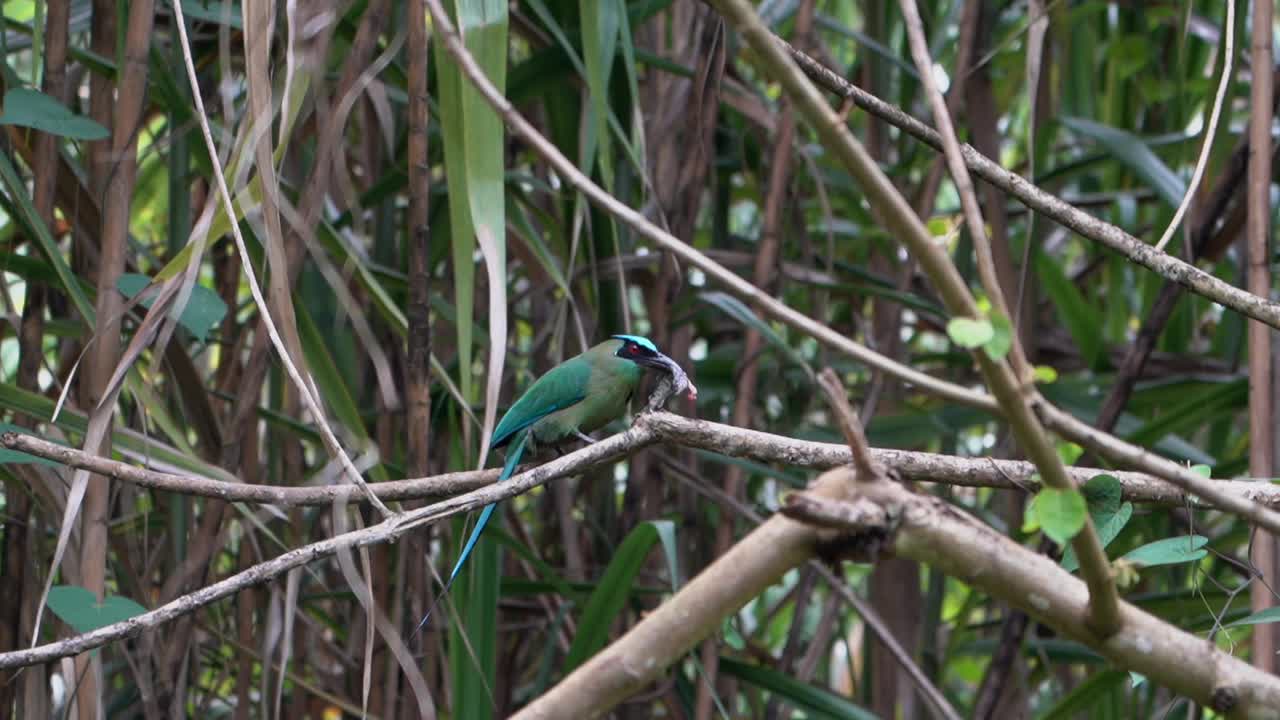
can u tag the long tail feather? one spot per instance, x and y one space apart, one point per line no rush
513 459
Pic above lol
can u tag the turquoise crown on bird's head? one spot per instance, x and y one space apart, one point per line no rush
643 342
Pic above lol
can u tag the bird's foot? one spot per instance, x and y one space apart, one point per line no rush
584 437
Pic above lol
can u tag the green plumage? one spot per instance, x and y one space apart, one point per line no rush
580 395
583 393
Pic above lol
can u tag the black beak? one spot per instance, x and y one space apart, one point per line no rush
658 361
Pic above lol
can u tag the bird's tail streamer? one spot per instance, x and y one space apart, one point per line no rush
513 459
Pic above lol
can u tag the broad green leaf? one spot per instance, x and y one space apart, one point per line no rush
1061 513
1193 411
31 108
1002 337
79 608
1170 551
970 333
1262 617
213 11
333 384
600 22
1104 496
473 154
1083 321
475 596
134 445
474 148
611 595
1136 155
30 221
203 312
1087 697
819 701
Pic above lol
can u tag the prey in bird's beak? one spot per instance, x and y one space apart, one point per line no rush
679 379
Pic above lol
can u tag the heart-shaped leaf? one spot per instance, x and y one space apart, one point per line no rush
1104 496
1170 551
1061 513
203 311
970 333
1001 338
80 609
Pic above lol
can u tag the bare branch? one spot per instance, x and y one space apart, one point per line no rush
1047 204
902 222
847 419
606 450
677 430
929 530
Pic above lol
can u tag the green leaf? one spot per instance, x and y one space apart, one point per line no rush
1045 374
606 603
1104 496
818 701
1002 339
31 108
1061 513
203 312
738 310
31 223
1088 697
1262 617
1136 155
1170 551
333 385
1083 321
80 609
970 333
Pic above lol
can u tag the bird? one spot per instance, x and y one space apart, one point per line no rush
576 397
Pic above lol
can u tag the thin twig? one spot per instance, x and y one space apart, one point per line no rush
1228 61
960 176
847 418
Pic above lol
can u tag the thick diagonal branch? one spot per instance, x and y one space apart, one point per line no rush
901 220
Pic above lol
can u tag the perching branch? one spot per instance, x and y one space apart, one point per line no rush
920 467
1107 445
788 539
606 450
